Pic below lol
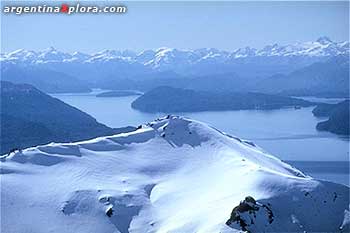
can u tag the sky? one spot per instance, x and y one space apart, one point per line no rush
183 25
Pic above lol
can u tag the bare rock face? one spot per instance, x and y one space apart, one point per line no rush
245 215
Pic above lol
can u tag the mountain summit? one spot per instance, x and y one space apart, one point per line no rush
324 40
171 175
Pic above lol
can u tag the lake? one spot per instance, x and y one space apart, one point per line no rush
289 134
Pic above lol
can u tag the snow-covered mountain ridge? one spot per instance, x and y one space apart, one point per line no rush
323 47
171 175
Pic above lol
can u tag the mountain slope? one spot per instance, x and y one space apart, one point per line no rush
30 117
171 175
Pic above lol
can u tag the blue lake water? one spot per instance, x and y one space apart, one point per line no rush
289 134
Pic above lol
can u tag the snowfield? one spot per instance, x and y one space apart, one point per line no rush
172 175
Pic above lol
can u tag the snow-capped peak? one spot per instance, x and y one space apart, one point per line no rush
244 52
50 49
171 175
52 55
324 40
19 52
171 58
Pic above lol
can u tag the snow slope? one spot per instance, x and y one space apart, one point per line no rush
171 175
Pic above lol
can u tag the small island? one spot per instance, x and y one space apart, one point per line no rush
171 100
338 114
120 93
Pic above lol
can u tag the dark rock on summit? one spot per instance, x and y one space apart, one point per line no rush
245 214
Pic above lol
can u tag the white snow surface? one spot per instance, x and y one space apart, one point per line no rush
172 175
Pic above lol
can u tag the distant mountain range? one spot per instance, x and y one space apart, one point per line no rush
30 117
244 69
174 59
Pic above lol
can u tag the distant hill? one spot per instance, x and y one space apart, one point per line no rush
324 110
30 117
169 99
46 80
323 79
338 114
328 78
